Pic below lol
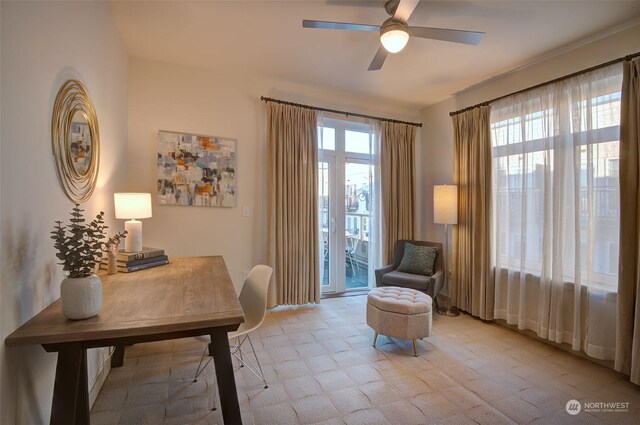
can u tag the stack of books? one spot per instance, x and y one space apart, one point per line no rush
133 261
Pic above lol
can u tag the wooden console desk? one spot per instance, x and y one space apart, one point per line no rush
188 297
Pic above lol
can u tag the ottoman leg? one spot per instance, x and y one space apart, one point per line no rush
415 349
375 338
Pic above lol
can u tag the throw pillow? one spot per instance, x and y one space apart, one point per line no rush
418 259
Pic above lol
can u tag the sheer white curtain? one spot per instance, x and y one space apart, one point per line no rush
556 209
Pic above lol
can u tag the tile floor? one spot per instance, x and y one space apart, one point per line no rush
321 368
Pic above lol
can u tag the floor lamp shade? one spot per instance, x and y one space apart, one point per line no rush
445 204
132 206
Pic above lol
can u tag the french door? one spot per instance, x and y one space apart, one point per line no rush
344 187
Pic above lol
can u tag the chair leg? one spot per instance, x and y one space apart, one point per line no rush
245 360
258 361
200 370
415 349
239 356
375 338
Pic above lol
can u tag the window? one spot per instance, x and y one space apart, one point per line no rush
357 142
555 174
327 138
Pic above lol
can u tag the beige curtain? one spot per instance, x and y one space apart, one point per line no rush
397 146
292 199
473 288
628 320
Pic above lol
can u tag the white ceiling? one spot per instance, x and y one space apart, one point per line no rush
266 37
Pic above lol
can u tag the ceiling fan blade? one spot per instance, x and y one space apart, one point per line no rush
378 59
444 34
405 9
328 25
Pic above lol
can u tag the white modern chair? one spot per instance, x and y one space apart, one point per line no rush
253 298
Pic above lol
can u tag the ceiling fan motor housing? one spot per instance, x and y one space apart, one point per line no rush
393 24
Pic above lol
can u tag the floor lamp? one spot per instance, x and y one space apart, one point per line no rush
445 211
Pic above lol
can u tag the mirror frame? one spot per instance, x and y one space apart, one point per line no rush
73 97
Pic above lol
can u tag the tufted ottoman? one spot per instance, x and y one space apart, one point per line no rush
400 313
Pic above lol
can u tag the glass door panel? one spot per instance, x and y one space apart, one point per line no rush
357 183
327 220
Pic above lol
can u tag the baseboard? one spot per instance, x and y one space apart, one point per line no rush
102 376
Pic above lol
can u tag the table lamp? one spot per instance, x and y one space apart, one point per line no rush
445 211
132 206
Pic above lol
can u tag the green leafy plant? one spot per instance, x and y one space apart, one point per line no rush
80 245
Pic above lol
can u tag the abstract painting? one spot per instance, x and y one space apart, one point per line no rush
196 170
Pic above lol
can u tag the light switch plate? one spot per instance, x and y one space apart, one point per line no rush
245 211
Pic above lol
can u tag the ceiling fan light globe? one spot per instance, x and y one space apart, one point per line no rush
394 40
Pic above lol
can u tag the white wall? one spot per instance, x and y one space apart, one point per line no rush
168 97
437 161
438 130
42 45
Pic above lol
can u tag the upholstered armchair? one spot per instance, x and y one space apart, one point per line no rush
430 285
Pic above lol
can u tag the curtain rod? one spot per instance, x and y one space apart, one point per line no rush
555 80
335 111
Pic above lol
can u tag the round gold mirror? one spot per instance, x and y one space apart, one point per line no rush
76 141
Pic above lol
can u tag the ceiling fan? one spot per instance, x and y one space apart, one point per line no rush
394 32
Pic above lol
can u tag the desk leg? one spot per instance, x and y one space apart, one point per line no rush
70 393
117 359
226 379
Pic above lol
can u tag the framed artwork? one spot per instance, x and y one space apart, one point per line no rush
196 170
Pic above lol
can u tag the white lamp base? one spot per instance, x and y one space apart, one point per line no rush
133 241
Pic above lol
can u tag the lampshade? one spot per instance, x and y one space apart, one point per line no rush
132 205
394 35
445 204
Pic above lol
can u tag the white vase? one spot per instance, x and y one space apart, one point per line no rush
81 297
